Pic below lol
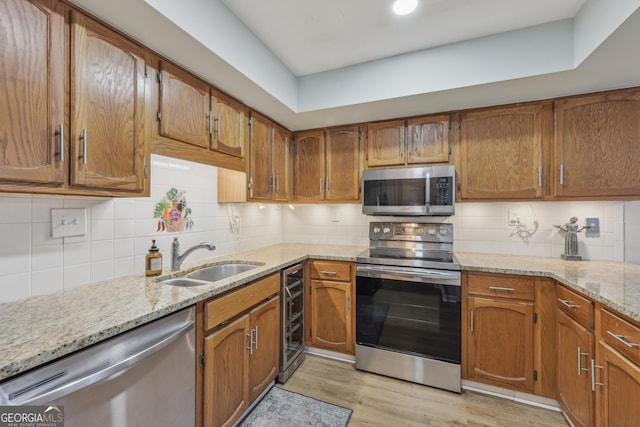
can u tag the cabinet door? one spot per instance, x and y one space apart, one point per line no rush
226 374
575 350
260 175
264 362
500 343
386 143
107 107
32 98
281 164
331 315
501 152
309 166
184 107
229 125
619 394
342 163
428 139
596 149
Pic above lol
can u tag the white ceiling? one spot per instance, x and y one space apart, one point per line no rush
310 64
311 36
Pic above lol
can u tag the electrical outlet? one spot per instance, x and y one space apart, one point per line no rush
513 218
594 225
68 222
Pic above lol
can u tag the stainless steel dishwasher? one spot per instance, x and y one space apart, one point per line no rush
144 377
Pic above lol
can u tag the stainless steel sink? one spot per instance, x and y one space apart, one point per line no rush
206 275
220 271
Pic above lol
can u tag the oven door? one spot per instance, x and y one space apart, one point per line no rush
409 310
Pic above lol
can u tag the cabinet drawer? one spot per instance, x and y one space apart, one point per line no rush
332 270
621 335
576 306
511 287
225 307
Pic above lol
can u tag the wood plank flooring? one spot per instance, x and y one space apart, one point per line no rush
380 401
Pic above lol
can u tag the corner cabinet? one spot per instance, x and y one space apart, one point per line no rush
269 160
239 345
509 332
419 140
327 165
101 148
330 316
502 152
596 148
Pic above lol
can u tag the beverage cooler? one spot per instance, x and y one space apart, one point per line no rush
292 297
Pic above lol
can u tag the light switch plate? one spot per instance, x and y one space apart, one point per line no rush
594 225
68 222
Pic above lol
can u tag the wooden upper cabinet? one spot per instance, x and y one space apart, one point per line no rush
281 164
386 143
32 100
501 152
228 125
107 107
342 163
309 166
596 149
428 139
184 107
260 176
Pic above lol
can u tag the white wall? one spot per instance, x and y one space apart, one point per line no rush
120 230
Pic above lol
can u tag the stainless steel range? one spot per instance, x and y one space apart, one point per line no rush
408 301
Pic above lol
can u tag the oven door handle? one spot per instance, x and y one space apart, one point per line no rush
416 275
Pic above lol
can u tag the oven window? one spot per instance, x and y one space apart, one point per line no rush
409 317
395 192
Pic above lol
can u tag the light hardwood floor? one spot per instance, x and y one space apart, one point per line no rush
380 401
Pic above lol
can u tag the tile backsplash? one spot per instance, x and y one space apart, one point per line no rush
119 231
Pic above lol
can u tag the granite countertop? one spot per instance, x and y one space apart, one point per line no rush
39 329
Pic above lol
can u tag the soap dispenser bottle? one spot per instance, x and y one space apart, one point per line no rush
153 261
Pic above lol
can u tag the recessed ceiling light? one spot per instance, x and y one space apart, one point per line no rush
404 7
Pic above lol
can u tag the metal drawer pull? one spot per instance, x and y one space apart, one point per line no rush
580 368
622 340
499 288
593 375
84 146
256 341
568 304
329 273
61 135
250 348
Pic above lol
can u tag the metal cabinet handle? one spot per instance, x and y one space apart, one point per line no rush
277 183
540 176
580 368
84 146
61 141
593 375
471 320
218 127
568 304
326 186
329 273
622 340
562 174
321 180
210 123
499 288
250 348
256 341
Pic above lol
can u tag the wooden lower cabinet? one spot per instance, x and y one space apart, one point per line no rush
500 343
240 351
330 305
618 389
575 351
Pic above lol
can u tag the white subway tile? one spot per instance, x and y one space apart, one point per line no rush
124 209
14 286
77 275
101 271
123 248
76 253
102 210
46 257
15 210
41 208
124 228
123 267
101 250
45 282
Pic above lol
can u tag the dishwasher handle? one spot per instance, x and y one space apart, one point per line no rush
74 385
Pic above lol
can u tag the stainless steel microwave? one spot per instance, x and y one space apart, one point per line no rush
418 191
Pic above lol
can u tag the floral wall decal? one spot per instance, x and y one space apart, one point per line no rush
172 212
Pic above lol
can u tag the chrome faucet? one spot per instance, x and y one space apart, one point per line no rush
177 259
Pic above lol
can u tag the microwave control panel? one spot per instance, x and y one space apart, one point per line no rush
441 191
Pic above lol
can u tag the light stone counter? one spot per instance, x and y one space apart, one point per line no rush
614 284
40 329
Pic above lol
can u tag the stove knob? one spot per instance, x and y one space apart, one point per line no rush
386 230
443 231
376 229
431 231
